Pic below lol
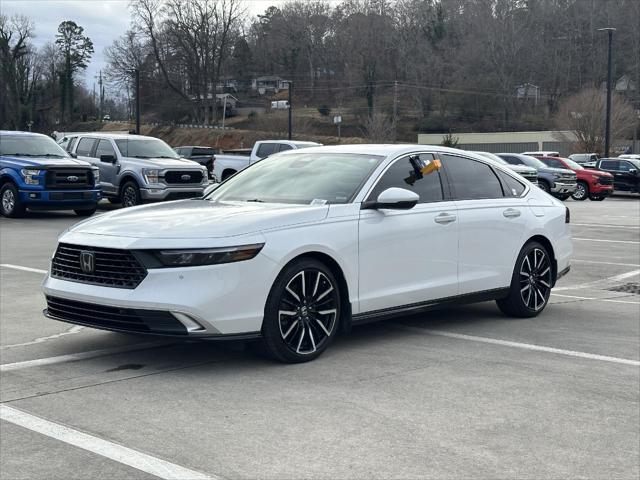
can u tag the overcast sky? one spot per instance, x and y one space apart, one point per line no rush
103 21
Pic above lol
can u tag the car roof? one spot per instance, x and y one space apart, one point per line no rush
194 146
384 150
114 136
291 142
22 134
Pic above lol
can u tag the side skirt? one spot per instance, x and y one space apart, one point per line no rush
414 308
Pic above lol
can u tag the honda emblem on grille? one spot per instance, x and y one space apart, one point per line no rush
185 178
87 261
72 178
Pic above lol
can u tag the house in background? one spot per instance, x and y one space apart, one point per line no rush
269 84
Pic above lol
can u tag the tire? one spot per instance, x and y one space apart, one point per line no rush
10 204
298 327
130 194
533 272
597 198
582 191
544 186
85 212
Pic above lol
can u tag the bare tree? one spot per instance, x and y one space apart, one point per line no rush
584 114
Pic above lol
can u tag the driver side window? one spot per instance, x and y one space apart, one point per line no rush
405 173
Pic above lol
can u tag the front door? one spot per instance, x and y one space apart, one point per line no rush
108 171
408 256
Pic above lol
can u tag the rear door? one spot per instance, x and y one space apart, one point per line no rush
85 149
491 221
408 256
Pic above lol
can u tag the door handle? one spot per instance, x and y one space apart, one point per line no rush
445 218
511 213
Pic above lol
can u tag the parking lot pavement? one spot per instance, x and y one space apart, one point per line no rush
464 392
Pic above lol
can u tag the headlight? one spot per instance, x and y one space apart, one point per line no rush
28 175
150 175
96 177
207 256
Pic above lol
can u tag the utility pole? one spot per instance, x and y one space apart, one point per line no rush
101 90
395 101
137 101
290 107
224 109
607 128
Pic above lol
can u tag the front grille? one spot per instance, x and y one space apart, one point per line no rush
567 178
605 180
70 196
176 177
114 318
113 268
69 178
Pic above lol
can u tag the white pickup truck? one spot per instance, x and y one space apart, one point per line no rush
225 165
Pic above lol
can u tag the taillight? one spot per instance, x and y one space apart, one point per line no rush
567 215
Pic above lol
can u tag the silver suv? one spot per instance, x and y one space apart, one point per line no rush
135 168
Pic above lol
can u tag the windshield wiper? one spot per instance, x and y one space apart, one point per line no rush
163 156
138 156
33 155
256 200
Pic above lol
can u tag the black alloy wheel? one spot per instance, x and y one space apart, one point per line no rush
302 312
130 195
544 186
581 192
530 284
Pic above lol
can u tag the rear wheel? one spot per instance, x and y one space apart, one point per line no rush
302 312
530 283
130 194
582 191
10 204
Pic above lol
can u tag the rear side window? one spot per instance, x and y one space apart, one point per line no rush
403 174
104 148
203 151
511 186
267 149
610 164
471 179
284 146
85 147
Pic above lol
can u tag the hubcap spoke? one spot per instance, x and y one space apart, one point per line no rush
535 281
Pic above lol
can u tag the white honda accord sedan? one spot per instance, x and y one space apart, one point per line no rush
308 242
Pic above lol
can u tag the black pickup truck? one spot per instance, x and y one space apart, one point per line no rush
203 155
625 171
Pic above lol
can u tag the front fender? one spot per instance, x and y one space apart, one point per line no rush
9 173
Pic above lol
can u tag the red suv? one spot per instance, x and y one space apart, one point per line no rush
595 184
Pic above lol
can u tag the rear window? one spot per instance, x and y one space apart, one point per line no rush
552 162
511 186
610 164
470 179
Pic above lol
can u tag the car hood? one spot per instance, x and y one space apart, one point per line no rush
521 168
563 171
199 219
596 172
45 162
165 162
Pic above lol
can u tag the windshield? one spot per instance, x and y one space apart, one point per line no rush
311 178
30 146
533 162
573 165
145 148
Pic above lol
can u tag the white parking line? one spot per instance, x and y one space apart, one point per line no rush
70 331
525 346
614 279
39 362
602 225
605 263
608 241
113 451
609 300
24 269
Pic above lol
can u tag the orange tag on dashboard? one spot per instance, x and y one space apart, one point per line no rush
431 167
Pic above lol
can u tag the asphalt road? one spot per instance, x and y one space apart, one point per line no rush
459 393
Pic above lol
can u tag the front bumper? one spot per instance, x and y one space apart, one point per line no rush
170 193
564 187
60 199
208 301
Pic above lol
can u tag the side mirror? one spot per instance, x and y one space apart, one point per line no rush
394 199
73 155
633 171
108 158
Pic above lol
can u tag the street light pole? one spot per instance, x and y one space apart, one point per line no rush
290 107
607 128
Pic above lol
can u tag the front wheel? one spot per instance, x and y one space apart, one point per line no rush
530 283
85 212
302 312
544 186
581 192
130 195
10 204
